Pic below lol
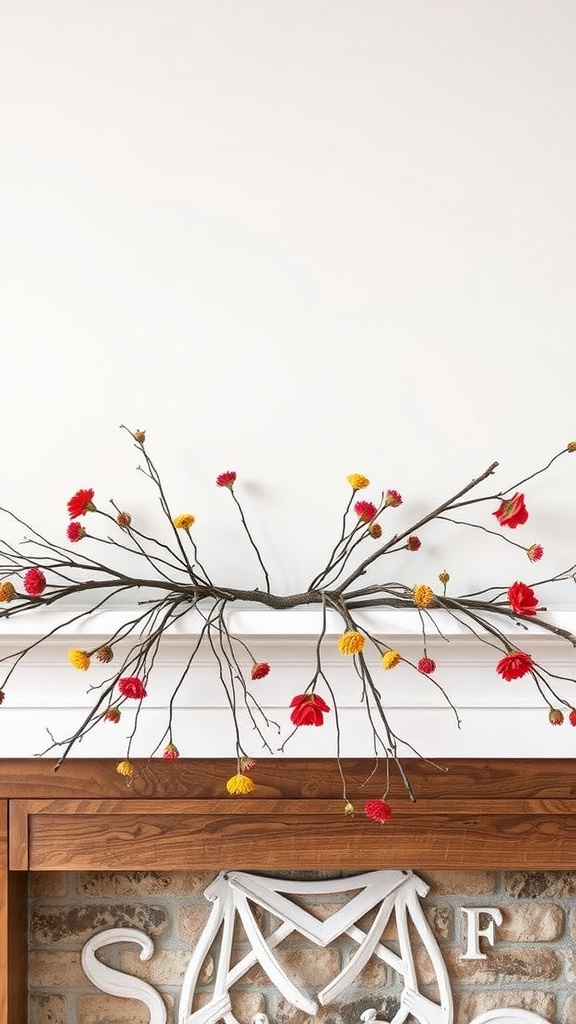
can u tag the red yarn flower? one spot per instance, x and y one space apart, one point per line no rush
170 752
131 686
427 666
535 552
75 531
259 670
227 479
81 503
34 582
522 599
393 498
514 665
365 511
378 810
308 709
413 543
512 512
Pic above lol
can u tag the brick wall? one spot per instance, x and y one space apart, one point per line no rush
532 964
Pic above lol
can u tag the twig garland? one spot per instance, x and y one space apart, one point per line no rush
43 573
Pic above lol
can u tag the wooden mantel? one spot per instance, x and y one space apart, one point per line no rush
494 814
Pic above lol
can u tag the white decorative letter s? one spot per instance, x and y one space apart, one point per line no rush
116 983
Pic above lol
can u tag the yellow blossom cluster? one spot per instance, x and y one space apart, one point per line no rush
423 595
390 659
351 642
184 521
79 659
240 785
358 482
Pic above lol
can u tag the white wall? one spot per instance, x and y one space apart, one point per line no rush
296 238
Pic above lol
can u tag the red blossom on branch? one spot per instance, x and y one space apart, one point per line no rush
34 582
555 716
365 511
413 543
131 686
427 666
259 670
81 503
522 599
392 499
227 479
535 552
378 810
514 665
308 709
75 531
512 512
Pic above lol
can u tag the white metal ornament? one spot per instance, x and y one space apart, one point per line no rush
389 893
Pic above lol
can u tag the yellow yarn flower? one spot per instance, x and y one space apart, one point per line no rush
423 595
357 481
7 591
184 522
390 659
351 642
125 768
240 785
79 659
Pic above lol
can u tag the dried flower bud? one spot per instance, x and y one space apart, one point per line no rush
555 716
7 591
375 530
413 543
349 809
571 446
124 519
105 654
535 552
247 764
572 717
112 715
125 768
444 577
170 752
2 696
139 436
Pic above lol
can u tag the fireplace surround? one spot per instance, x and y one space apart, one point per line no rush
495 814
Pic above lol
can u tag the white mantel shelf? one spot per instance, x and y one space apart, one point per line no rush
498 719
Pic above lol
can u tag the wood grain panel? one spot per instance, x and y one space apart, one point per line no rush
290 778
13 934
